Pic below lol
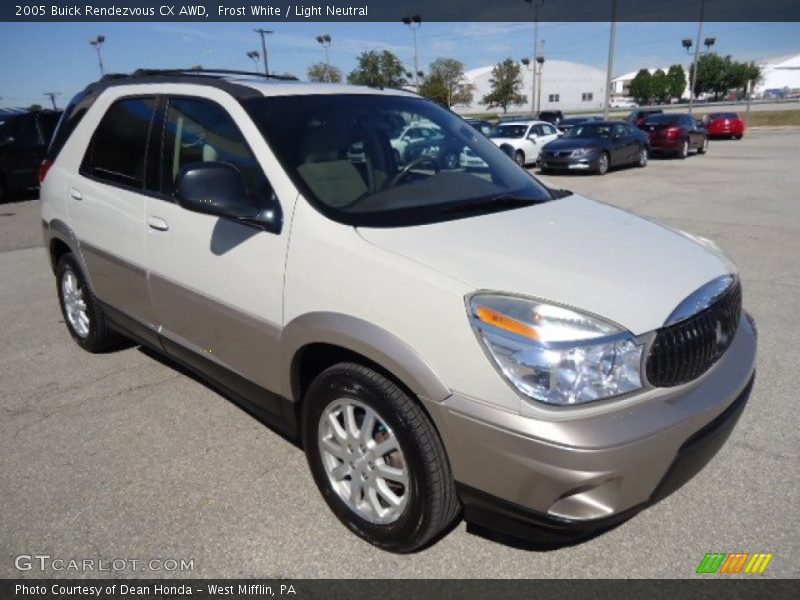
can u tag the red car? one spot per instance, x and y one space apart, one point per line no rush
725 124
675 133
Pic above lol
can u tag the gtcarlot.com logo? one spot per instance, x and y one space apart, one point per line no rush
734 562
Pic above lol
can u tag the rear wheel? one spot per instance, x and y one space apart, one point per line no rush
704 147
377 459
643 156
85 320
602 164
684 151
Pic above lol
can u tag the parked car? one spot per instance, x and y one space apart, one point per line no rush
523 140
596 146
725 124
445 150
622 103
409 134
24 136
438 343
638 117
483 126
551 116
676 134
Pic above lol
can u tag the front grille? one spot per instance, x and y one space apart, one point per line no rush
684 351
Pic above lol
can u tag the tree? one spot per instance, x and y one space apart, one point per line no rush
35 107
506 83
642 86
711 74
659 85
676 80
445 83
378 69
324 73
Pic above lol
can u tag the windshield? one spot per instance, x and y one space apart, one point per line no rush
589 130
382 160
509 131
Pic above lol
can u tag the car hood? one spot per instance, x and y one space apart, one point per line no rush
573 143
571 251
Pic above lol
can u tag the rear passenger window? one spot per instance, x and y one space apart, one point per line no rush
198 131
118 151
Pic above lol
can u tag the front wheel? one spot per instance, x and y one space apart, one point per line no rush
684 151
704 147
602 164
519 158
450 161
377 459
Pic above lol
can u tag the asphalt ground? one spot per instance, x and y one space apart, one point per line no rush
123 456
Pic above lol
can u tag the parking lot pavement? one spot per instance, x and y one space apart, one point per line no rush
122 456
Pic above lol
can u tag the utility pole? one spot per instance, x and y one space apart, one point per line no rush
535 4
52 96
540 62
97 42
263 33
696 54
610 65
414 23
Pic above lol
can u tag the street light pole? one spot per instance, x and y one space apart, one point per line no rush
540 61
414 23
52 96
610 66
697 54
97 42
263 33
535 4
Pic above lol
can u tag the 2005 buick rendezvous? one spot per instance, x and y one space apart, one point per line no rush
437 338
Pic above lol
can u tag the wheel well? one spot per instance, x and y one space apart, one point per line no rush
313 359
57 249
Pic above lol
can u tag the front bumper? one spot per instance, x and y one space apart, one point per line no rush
568 163
567 477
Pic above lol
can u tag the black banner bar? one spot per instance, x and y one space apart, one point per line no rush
711 587
273 11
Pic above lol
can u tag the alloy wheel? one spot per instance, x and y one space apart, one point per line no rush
602 164
643 157
363 461
74 303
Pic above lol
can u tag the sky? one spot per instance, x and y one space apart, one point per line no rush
57 57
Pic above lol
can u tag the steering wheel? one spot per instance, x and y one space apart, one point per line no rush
421 159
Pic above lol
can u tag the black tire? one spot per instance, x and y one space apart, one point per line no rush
100 338
703 147
603 164
432 503
450 161
519 158
684 151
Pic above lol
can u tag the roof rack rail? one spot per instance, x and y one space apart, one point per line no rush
209 73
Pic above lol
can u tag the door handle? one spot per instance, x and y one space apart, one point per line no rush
75 194
157 223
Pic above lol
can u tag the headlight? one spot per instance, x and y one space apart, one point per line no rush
553 354
584 151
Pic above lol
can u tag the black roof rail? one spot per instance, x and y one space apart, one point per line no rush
209 73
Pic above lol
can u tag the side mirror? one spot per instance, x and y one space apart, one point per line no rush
533 137
217 188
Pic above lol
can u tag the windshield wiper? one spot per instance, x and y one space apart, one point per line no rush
499 202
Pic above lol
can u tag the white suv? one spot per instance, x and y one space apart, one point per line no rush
524 140
442 342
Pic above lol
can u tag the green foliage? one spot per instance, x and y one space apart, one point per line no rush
718 75
379 69
676 80
445 83
506 84
324 73
642 86
35 107
659 85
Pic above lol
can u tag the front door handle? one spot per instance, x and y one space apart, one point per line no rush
75 194
157 223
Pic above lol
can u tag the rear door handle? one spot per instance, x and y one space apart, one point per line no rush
157 223
75 194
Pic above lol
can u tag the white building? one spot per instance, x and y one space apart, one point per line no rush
621 86
779 74
566 86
